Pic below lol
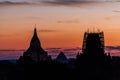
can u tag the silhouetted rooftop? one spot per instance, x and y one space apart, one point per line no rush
62 58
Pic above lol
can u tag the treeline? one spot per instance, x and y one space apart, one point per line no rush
53 70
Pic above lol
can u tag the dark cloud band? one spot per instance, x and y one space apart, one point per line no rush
113 48
14 3
55 2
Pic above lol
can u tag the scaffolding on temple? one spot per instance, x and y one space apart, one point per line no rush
93 49
93 42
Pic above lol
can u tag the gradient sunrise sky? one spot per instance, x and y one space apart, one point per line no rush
60 23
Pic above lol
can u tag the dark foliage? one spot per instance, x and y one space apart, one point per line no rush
53 70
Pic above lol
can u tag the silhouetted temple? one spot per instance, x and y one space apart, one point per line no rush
93 44
62 58
93 48
35 51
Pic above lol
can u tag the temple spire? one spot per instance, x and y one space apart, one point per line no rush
35 26
35 32
35 40
35 51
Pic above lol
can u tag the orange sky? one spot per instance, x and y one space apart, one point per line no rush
57 26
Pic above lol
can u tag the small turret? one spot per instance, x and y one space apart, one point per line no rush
62 58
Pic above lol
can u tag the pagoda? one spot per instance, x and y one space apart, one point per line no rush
93 49
35 50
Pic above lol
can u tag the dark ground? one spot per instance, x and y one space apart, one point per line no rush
52 70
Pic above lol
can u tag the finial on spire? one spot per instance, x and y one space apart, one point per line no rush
35 30
98 30
35 26
88 30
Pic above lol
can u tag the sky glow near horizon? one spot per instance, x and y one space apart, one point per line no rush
60 23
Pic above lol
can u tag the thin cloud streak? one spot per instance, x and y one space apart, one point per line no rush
73 49
68 21
70 3
8 3
113 48
117 11
12 50
53 48
76 3
67 2
67 50
47 30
